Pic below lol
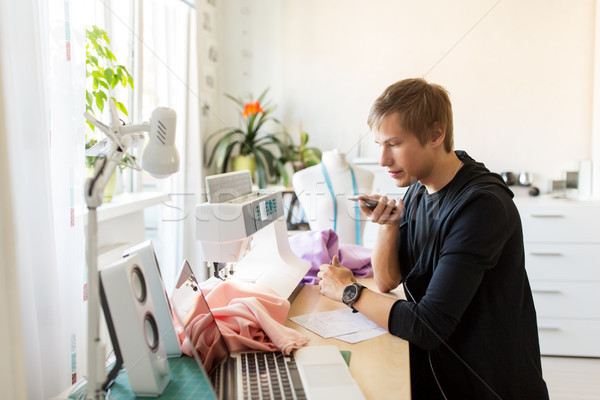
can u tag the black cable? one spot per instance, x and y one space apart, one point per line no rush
114 372
95 178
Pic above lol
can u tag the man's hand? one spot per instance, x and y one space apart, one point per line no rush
386 267
334 278
384 213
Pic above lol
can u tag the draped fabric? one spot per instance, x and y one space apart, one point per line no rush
169 50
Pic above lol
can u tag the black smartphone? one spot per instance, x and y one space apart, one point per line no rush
371 203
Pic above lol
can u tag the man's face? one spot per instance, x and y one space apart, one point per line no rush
401 152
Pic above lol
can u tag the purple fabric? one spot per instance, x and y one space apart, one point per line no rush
319 247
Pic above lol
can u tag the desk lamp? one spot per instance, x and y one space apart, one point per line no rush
160 158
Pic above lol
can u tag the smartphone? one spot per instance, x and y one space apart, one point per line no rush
371 203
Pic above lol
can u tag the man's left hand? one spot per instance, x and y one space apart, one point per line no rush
334 278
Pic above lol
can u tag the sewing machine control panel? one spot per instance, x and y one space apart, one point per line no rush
266 208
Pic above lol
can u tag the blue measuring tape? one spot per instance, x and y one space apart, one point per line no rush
356 208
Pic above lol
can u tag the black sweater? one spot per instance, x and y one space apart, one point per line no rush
470 312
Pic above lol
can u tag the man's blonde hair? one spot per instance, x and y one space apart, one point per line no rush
419 105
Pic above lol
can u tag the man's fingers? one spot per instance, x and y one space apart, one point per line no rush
387 211
383 209
378 211
321 273
323 269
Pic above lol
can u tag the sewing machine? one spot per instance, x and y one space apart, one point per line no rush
243 232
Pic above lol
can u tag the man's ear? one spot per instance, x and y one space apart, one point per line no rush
437 134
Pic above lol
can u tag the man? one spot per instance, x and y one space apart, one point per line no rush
455 242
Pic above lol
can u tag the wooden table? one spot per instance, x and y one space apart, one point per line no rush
380 365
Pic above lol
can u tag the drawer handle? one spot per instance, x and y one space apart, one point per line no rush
547 216
547 291
548 328
543 253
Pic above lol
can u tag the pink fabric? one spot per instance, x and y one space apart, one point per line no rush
250 316
202 335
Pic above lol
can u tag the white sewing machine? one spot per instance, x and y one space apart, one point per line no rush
246 227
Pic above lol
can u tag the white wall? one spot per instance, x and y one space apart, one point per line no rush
520 73
250 54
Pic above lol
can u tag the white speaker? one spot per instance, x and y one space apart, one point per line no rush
129 300
159 296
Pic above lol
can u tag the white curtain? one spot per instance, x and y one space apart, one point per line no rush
42 84
13 378
170 79
42 79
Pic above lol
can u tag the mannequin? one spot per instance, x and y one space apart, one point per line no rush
315 197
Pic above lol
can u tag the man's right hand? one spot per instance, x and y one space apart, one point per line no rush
384 213
386 267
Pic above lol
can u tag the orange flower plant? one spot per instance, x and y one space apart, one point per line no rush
252 108
252 139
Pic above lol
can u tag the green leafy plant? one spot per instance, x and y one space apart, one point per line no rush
103 73
301 156
250 140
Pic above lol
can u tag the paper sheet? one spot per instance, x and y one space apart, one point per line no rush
362 335
341 324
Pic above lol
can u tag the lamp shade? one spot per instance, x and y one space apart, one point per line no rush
160 157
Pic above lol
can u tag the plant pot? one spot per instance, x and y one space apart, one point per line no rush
240 163
298 165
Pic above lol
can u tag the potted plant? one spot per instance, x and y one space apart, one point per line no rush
249 147
103 74
301 156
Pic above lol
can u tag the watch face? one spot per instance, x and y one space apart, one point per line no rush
349 293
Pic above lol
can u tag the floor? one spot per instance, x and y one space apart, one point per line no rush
572 378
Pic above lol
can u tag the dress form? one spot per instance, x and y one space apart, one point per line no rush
315 198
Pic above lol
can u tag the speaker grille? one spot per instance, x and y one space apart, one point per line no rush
138 284
151 332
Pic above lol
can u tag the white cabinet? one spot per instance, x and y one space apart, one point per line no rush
562 258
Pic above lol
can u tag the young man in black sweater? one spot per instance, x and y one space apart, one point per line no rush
455 242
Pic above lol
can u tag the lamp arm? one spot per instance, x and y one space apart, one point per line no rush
93 193
94 121
133 128
115 123
95 349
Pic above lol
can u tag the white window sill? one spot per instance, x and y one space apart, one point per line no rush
127 203
121 223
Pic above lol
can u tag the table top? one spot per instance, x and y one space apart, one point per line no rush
379 365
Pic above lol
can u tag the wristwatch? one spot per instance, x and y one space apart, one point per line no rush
351 294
